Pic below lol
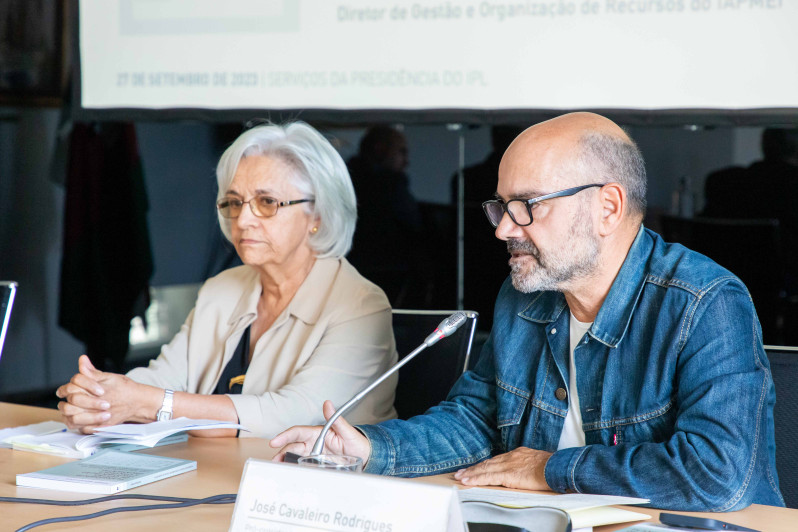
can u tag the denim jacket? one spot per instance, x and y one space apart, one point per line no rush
674 389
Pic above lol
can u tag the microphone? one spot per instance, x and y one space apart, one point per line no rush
446 328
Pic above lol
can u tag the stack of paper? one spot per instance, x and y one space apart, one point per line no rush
37 429
152 432
585 510
72 444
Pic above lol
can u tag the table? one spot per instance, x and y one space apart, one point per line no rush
220 462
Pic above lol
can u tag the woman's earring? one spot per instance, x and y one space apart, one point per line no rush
315 229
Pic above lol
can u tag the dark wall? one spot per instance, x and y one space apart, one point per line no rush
179 163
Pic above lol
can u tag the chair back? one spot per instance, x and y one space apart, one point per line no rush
426 380
751 249
784 367
7 291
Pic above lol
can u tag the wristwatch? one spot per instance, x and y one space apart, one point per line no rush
165 413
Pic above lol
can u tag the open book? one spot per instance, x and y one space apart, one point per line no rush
127 436
586 511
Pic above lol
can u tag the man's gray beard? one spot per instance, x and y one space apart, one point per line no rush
575 259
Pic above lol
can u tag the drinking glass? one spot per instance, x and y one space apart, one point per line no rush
334 462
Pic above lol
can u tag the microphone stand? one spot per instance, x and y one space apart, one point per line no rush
446 328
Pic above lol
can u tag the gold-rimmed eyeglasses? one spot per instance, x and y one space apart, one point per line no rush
262 206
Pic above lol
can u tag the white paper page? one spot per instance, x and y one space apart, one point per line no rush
36 429
164 428
604 515
93 441
63 440
568 501
96 440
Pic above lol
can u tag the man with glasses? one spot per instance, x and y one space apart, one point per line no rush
617 363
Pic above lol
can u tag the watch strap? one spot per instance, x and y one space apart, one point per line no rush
165 413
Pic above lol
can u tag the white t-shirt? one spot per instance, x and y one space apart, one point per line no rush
572 433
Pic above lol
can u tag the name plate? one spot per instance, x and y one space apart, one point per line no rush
275 497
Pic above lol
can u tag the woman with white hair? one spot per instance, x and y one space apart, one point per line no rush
269 341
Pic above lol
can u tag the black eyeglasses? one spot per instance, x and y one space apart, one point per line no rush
520 210
262 206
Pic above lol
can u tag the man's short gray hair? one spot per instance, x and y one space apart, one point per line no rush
611 159
319 172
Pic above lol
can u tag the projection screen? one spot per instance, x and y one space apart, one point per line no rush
429 60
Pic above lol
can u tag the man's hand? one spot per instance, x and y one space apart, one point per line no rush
342 438
521 468
93 398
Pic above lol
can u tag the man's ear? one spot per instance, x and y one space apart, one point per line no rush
612 201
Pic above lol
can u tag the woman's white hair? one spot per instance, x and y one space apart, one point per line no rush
320 173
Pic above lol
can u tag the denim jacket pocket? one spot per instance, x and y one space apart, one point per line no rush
652 426
511 405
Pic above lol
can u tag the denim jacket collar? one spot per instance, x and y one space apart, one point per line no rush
613 317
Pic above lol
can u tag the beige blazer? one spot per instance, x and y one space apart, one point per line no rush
334 338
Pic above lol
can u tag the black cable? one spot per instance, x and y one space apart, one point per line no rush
186 503
80 502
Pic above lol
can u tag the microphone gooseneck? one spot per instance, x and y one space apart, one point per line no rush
446 328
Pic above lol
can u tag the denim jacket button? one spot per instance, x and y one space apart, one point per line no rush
554 331
560 394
